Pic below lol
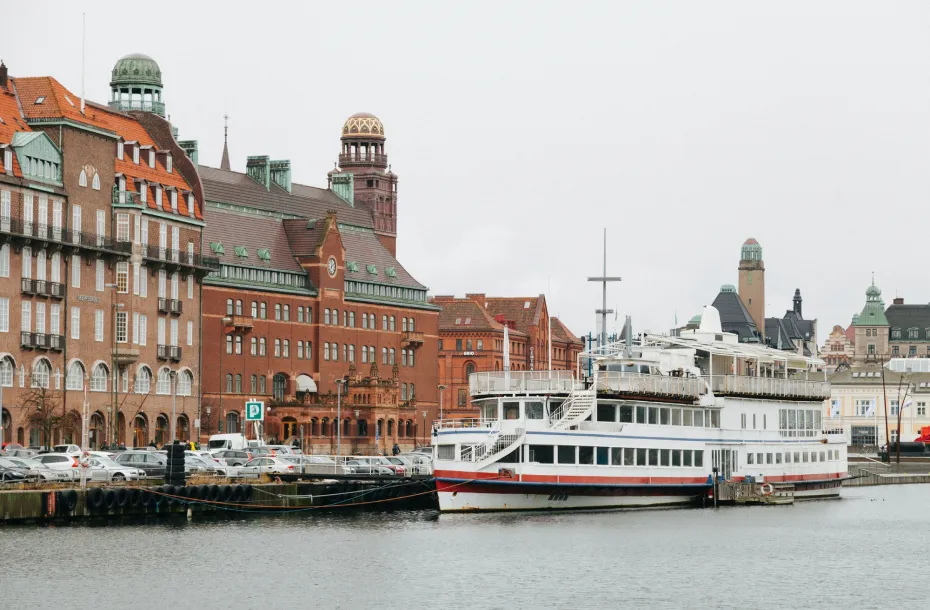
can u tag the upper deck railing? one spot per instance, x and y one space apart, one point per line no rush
521 382
651 385
770 387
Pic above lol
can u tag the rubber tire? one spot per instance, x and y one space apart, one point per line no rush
119 477
214 493
146 497
110 500
70 498
246 493
95 498
226 493
122 497
238 494
203 492
135 497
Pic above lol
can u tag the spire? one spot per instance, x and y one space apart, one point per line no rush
224 164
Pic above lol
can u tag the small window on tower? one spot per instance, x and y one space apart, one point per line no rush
371 183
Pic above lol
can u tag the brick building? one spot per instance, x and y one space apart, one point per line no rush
309 293
471 339
100 215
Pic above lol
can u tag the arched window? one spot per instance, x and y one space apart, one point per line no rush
96 182
82 179
238 383
229 307
232 422
390 432
238 307
185 383
380 426
41 371
362 427
143 383
254 384
469 370
75 379
409 428
346 428
314 427
161 429
98 378
324 427
7 367
183 428
164 382
229 382
279 386
261 385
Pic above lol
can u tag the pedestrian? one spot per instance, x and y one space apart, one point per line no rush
396 449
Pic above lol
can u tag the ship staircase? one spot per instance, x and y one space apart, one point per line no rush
576 408
495 447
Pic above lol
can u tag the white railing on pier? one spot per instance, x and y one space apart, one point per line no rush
521 382
656 385
773 387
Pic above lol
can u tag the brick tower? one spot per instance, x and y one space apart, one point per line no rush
752 282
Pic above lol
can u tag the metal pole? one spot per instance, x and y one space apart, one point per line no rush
222 377
1 416
339 417
174 406
442 390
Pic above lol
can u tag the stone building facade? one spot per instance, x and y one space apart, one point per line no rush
310 311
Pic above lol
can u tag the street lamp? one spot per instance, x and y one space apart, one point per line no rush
339 417
226 320
441 391
172 376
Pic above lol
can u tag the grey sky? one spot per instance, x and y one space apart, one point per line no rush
519 130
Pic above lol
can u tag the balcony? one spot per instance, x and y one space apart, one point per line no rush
411 338
27 340
29 285
28 232
162 352
41 340
521 382
125 355
775 388
56 343
174 352
141 105
646 386
163 305
240 323
126 198
169 257
358 158
175 306
41 288
56 290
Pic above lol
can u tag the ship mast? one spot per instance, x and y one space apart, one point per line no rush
604 279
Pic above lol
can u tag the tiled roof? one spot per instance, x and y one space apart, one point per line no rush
560 332
364 247
59 103
10 123
466 315
851 334
224 186
778 334
734 317
232 229
304 235
525 312
904 317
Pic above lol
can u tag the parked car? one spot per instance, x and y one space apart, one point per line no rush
317 464
68 449
410 465
105 469
262 451
61 462
24 464
196 464
232 457
21 452
267 465
285 450
8 475
368 465
423 463
8 465
227 441
151 463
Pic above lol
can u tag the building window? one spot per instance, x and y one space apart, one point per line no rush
462 397
279 386
392 323
326 351
277 311
229 306
143 383
286 348
238 383
238 307
287 313
229 382
391 353
238 342
263 311
277 348
326 316
365 321
261 346
261 384
300 313
384 355
229 343
352 319
253 384
334 351
335 318
384 322
300 350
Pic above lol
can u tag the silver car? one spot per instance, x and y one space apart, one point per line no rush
61 462
27 465
267 465
104 469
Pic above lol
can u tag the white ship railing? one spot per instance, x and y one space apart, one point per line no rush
521 382
773 387
466 423
644 384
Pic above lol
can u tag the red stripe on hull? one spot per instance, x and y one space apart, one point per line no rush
503 490
541 478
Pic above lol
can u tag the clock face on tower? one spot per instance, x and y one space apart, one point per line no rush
331 266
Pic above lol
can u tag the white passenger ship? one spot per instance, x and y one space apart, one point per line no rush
646 424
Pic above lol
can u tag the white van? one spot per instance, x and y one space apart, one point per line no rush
227 441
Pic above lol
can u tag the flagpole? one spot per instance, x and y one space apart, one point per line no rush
885 401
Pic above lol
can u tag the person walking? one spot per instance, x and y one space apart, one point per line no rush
396 449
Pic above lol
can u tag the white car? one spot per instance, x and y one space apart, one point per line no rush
67 449
33 466
105 469
267 465
61 462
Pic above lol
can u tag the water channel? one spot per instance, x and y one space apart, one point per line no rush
867 550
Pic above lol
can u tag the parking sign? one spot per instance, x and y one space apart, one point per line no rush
255 410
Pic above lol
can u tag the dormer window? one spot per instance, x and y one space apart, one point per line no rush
174 201
143 190
168 164
135 155
911 333
8 160
119 150
152 158
190 204
895 333
158 197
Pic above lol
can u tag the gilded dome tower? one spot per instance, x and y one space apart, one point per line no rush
375 185
136 85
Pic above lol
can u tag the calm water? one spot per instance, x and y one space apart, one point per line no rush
868 550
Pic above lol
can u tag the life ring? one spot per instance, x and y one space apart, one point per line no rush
766 489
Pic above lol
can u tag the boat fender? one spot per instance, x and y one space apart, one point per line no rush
109 499
766 489
95 497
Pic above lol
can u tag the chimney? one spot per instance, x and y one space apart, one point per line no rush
344 186
190 149
478 298
281 174
898 301
3 74
257 169
499 318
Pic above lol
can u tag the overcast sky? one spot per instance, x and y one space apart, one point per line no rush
520 130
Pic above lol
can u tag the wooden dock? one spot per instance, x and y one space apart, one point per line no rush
755 493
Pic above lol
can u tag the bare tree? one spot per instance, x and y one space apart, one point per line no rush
45 410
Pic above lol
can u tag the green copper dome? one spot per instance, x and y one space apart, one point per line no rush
136 69
873 291
873 314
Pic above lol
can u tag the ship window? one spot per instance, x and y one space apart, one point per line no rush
759 458
778 458
768 458
566 455
676 457
640 415
653 415
629 456
626 414
616 456
489 411
686 457
653 457
686 417
699 419
640 457
606 412
445 452
822 456
542 454
511 410
699 458
715 419
676 417
665 454
585 455
750 459
663 416
797 457
602 456
534 410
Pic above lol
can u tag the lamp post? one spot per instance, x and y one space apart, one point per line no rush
226 320
356 427
424 427
442 389
338 417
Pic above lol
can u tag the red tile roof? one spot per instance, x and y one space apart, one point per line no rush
59 103
10 122
253 232
525 312
560 332
462 315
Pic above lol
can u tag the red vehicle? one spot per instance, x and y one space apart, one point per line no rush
924 435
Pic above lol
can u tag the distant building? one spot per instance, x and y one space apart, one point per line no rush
792 332
839 348
752 283
900 331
